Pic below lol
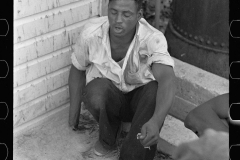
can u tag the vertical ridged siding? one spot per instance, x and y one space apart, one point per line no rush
44 31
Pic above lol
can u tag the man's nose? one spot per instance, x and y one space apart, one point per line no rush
119 18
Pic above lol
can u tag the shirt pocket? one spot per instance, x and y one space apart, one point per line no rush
136 68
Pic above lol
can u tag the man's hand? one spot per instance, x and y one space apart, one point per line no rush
149 133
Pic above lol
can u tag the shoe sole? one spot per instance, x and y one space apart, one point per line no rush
100 154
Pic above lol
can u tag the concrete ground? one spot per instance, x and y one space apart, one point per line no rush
54 140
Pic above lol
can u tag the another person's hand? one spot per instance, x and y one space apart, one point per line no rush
211 146
149 133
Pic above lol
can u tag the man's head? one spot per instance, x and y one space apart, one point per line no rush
123 16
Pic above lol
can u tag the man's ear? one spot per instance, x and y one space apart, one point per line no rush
140 14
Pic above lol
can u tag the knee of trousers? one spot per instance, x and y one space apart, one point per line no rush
95 93
151 87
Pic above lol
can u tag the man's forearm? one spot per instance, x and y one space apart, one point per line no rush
77 82
164 99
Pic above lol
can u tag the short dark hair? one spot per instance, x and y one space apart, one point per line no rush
138 3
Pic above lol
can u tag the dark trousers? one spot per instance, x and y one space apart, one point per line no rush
109 106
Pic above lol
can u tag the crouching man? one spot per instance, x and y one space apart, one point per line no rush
122 72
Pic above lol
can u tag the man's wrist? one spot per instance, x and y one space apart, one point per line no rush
158 120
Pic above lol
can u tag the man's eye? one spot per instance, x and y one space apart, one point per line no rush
114 12
127 14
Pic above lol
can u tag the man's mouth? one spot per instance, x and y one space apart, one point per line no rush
118 29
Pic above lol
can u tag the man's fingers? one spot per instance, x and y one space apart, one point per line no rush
147 139
143 132
144 141
150 141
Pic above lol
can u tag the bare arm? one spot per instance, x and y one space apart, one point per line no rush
166 91
77 81
220 105
165 95
210 114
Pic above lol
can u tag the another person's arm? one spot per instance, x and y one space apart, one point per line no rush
211 114
211 145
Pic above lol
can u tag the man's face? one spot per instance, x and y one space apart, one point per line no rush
123 16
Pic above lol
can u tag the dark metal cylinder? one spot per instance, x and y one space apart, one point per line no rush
199 34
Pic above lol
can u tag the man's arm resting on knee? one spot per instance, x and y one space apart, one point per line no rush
166 91
165 95
77 82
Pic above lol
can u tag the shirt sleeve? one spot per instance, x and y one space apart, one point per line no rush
79 57
157 49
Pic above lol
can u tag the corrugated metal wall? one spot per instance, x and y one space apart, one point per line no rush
44 31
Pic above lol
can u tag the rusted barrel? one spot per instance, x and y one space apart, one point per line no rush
198 34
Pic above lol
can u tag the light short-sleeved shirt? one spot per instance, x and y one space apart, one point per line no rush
92 53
